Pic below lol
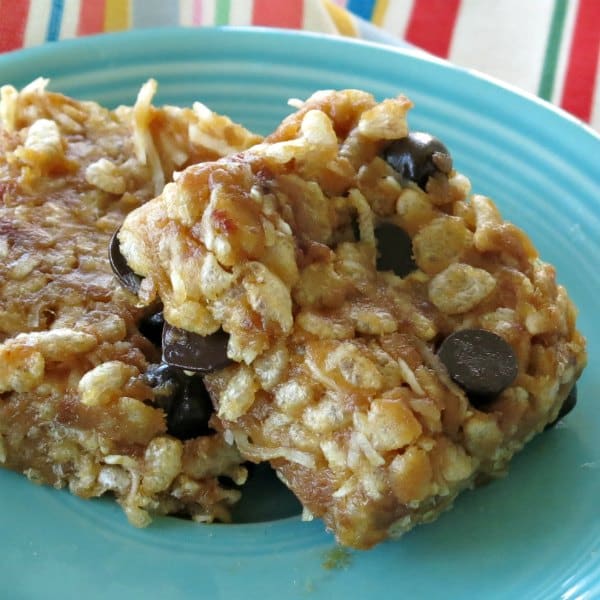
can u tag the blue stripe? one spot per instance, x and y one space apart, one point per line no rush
154 13
362 8
53 32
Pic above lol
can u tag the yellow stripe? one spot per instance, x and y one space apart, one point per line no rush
342 20
379 12
117 15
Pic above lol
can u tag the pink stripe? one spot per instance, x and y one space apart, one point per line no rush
12 24
91 17
580 81
431 25
197 12
287 13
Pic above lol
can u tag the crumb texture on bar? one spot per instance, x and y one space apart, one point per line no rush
74 406
337 381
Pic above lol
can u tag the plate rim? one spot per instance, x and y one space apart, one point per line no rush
30 54
166 33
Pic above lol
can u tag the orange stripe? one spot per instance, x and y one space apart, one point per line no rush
580 81
431 25
379 12
341 19
117 15
91 17
285 13
12 24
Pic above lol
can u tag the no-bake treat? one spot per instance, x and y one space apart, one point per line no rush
391 339
84 400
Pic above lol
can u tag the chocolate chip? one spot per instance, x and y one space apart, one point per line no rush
394 248
418 156
567 406
121 269
194 352
166 383
480 361
355 229
183 398
151 327
189 415
227 483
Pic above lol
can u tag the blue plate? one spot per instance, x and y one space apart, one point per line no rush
535 534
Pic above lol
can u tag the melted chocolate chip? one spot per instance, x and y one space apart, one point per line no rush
355 230
166 383
227 483
121 269
189 415
394 248
151 327
418 156
480 361
567 406
194 352
183 398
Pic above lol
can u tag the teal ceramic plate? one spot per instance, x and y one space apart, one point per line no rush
535 534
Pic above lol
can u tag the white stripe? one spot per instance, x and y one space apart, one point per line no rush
316 18
186 12
208 12
595 121
240 13
504 39
37 23
564 51
70 19
396 16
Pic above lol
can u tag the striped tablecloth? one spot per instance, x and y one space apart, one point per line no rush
548 47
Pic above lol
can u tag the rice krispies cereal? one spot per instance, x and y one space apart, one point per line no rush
77 407
337 377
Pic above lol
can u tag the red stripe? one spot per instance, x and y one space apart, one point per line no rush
284 13
580 81
91 17
431 24
12 24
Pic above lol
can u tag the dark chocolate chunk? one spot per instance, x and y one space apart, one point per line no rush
418 156
189 415
194 352
567 406
394 249
355 230
480 361
166 383
121 269
183 398
151 327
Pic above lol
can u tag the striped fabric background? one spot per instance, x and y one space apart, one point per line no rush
547 47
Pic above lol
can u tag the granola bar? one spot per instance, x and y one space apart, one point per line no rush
82 396
393 340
